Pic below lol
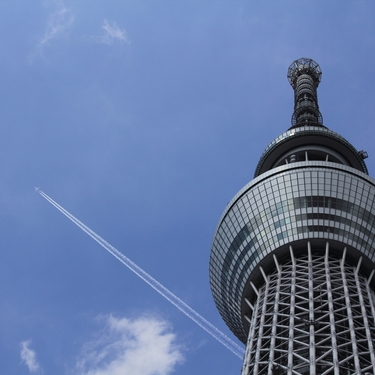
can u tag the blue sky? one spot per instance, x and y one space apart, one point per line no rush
143 119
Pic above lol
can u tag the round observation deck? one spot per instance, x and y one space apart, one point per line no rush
290 205
310 143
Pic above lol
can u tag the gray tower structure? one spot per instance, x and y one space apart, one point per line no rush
293 255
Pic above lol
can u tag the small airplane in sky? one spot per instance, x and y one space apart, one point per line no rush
37 189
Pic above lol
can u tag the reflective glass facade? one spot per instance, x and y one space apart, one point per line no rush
286 205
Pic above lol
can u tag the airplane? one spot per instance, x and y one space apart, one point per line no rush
37 189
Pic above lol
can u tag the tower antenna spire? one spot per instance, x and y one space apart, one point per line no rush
304 75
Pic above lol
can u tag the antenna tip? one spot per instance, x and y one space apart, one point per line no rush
304 66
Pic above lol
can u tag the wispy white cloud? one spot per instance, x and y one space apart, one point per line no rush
112 32
143 346
28 357
57 24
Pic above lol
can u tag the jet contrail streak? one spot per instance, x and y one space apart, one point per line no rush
167 294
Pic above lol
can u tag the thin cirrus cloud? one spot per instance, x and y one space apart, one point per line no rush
57 24
28 357
125 343
112 33
60 21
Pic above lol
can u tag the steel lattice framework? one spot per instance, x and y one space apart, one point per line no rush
293 257
304 75
314 315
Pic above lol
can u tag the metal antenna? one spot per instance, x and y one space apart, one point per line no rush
304 75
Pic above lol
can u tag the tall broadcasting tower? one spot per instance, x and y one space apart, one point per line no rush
293 256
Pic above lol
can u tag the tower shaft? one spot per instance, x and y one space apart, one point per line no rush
313 315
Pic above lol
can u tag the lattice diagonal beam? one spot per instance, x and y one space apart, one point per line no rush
314 315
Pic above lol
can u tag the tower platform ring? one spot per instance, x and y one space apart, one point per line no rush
306 135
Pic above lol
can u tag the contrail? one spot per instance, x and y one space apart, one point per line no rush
167 294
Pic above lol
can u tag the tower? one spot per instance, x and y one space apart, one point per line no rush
293 256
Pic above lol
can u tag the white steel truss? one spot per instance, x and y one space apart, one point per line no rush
314 315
